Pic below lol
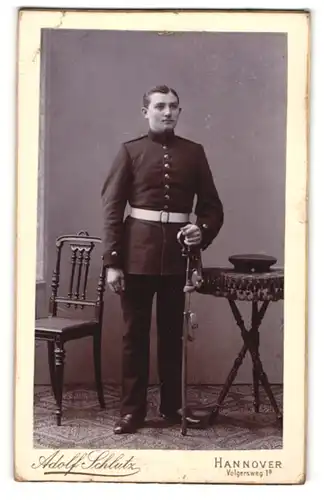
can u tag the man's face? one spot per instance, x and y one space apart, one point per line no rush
162 112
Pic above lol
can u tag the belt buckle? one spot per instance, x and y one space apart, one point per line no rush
164 216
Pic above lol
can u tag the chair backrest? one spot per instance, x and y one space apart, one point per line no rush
81 247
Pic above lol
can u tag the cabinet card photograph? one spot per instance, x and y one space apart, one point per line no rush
162 162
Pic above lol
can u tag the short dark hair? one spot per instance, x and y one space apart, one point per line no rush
162 89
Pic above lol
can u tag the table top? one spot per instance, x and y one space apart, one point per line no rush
228 283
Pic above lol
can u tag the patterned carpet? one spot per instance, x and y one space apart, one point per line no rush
85 425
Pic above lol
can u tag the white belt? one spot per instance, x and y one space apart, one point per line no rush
159 215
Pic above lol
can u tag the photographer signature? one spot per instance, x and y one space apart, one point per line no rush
93 463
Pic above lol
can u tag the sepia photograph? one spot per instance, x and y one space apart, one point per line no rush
166 161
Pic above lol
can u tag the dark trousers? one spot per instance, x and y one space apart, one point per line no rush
136 304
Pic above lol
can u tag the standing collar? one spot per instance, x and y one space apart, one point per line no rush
161 137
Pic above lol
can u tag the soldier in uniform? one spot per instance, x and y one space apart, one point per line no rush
159 175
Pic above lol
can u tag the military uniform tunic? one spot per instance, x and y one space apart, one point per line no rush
160 172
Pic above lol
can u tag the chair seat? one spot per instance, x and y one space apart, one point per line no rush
60 325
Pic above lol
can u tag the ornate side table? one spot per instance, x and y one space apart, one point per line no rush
256 288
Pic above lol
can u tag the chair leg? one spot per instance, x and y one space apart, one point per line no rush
59 370
51 365
97 367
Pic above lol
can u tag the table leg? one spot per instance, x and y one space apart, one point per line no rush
264 380
247 338
257 317
229 381
255 338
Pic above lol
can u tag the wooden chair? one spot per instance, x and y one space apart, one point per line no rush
56 329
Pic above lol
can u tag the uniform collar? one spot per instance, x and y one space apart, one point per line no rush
162 137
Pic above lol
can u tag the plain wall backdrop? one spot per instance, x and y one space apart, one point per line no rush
232 89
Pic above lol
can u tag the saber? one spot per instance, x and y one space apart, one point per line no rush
193 265
185 336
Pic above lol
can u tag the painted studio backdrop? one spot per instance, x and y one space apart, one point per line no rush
232 89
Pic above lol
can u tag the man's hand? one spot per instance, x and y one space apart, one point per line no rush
115 280
192 234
